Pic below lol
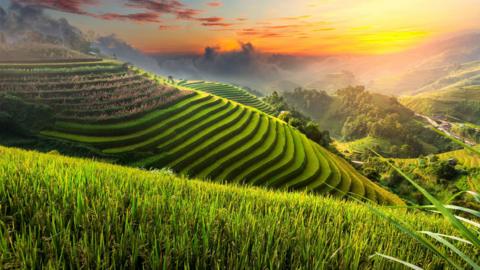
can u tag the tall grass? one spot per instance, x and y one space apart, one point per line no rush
466 229
58 212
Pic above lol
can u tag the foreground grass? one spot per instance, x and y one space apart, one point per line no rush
58 212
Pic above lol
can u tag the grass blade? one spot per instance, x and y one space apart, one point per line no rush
454 249
457 141
412 233
454 207
407 264
467 233
475 195
449 236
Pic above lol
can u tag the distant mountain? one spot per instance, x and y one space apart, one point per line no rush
430 63
331 82
26 27
282 86
456 95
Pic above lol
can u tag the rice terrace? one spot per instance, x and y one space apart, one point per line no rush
295 139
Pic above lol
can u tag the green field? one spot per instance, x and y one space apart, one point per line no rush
59 212
464 157
131 116
362 145
229 91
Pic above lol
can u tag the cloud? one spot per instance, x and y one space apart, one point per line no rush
70 6
28 24
153 11
214 21
169 27
245 65
210 19
112 45
137 17
215 4
173 7
297 18
218 24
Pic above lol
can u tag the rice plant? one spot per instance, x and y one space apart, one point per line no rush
58 212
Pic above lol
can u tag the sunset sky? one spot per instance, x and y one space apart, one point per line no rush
294 27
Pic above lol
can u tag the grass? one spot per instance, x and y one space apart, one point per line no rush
59 212
148 121
467 228
362 145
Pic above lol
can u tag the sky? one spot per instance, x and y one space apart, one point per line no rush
298 27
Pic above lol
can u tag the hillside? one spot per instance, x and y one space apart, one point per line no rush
124 114
231 92
76 213
463 157
456 95
354 113
38 52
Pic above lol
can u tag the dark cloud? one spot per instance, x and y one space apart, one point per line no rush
70 6
28 24
210 19
173 7
244 66
214 21
137 17
113 46
154 9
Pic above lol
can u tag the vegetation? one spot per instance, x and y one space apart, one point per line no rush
231 92
467 130
59 212
296 119
463 226
441 177
40 51
138 119
354 114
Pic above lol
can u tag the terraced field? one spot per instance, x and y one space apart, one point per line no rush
229 91
93 91
464 157
123 113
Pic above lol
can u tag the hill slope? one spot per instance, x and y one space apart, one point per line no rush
125 114
73 213
463 156
456 95
231 92
354 114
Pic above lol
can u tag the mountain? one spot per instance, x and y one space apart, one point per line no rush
456 95
429 63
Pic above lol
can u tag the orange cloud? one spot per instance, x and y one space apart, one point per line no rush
215 4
